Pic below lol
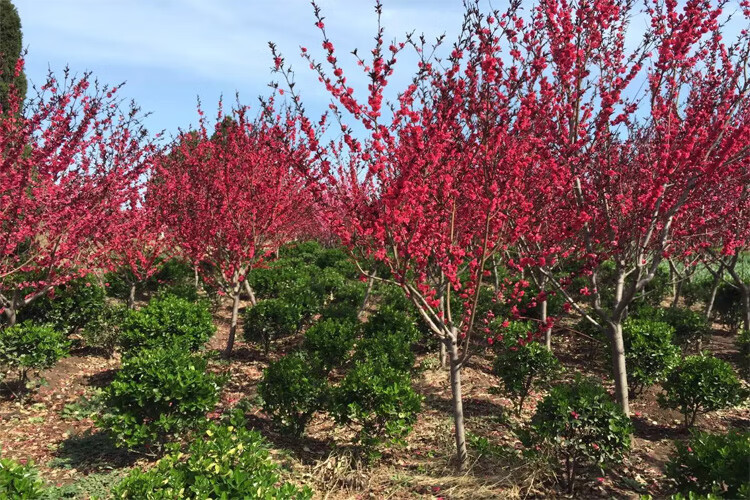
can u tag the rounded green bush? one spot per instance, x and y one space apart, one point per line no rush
104 332
303 251
712 464
690 327
347 299
69 307
379 400
387 338
579 425
27 346
167 321
271 281
324 284
700 384
19 481
227 461
649 352
293 389
330 342
270 320
156 395
522 366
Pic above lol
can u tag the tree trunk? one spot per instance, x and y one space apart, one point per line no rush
250 293
677 294
458 405
548 331
370 284
494 273
131 297
714 289
443 355
10 315
196 277
233 325
619 370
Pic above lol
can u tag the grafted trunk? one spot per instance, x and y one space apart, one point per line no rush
619 370
457 402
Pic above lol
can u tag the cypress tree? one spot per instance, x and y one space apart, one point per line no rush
11 45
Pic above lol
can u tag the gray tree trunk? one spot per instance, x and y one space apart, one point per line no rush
457 400
131 296
619 370
714 289
233 324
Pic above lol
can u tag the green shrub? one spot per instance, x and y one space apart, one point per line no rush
324 282
649 352
167 321
387 338
379 400
227 461
700 384
690 327
27 346
158 394
394 297
171 272
293 389
712 464
330 341
269 320
69 308
303 251
346 302
19 481
298 291
185 291
522 366
578 425
271 281
103 332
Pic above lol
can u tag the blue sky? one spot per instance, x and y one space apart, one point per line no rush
170 51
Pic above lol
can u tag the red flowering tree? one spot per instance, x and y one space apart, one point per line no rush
68 163
444 178
231 197
642 162
139 245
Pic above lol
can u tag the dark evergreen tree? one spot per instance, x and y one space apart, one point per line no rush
11 45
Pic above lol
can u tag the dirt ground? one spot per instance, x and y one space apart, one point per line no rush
48 428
